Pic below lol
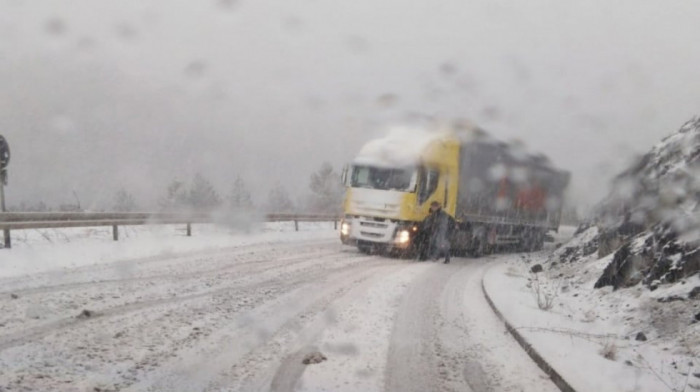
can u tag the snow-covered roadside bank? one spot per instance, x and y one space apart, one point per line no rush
36 251
590 337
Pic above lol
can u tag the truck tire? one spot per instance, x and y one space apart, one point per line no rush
478 249
525 244
532 242
480 245
538 244
481 248
366 249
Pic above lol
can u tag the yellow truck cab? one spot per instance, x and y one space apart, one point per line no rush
391 184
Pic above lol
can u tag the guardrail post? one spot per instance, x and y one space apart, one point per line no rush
296 225
189 229
6 232
115 232
8 239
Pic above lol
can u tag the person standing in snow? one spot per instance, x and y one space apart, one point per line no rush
437 229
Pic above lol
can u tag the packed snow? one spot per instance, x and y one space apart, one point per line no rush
401 147
275 310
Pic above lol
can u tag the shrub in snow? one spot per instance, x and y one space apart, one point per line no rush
609 351
544 291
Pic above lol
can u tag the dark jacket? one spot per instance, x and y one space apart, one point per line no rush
437 227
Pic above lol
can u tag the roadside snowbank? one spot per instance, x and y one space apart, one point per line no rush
37 251
590 336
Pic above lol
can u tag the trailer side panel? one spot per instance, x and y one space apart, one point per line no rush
497 185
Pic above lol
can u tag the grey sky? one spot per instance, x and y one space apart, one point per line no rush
103 94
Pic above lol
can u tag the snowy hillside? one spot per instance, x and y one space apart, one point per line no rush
652 217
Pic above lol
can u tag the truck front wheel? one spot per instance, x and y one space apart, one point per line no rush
364 248
481 247
532 242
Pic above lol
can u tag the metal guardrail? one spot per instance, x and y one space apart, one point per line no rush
49 220
511 220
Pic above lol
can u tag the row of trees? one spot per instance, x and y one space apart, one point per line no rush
325 196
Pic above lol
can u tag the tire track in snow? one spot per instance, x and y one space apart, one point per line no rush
136 290
242 267
411 363
356 340
474 343
292 344
34 284
34 333
446 338
199 369
459 352
248 331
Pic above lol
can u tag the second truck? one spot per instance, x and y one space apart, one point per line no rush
499 195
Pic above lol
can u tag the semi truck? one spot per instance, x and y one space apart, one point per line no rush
499 195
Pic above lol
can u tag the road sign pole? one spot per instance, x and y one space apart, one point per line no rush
6 232
4 161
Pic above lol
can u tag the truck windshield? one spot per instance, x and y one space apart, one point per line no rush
384 178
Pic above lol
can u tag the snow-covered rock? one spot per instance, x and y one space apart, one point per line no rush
651 219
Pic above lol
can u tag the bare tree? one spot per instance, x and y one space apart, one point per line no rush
202 195
327 190
124 202
176 197
278 200
239 198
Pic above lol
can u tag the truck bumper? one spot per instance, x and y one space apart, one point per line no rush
377 232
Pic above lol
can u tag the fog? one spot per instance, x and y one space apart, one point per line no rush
99 96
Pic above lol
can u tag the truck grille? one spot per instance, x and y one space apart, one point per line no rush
378 225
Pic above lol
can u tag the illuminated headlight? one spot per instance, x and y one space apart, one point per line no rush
345 229
404 237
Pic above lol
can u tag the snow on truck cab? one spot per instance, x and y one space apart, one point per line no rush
498 194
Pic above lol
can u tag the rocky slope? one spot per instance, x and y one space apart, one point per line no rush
650 222
645 237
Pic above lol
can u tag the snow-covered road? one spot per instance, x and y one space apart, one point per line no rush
246 317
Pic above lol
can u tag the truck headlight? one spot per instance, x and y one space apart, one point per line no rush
345 229
403 237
